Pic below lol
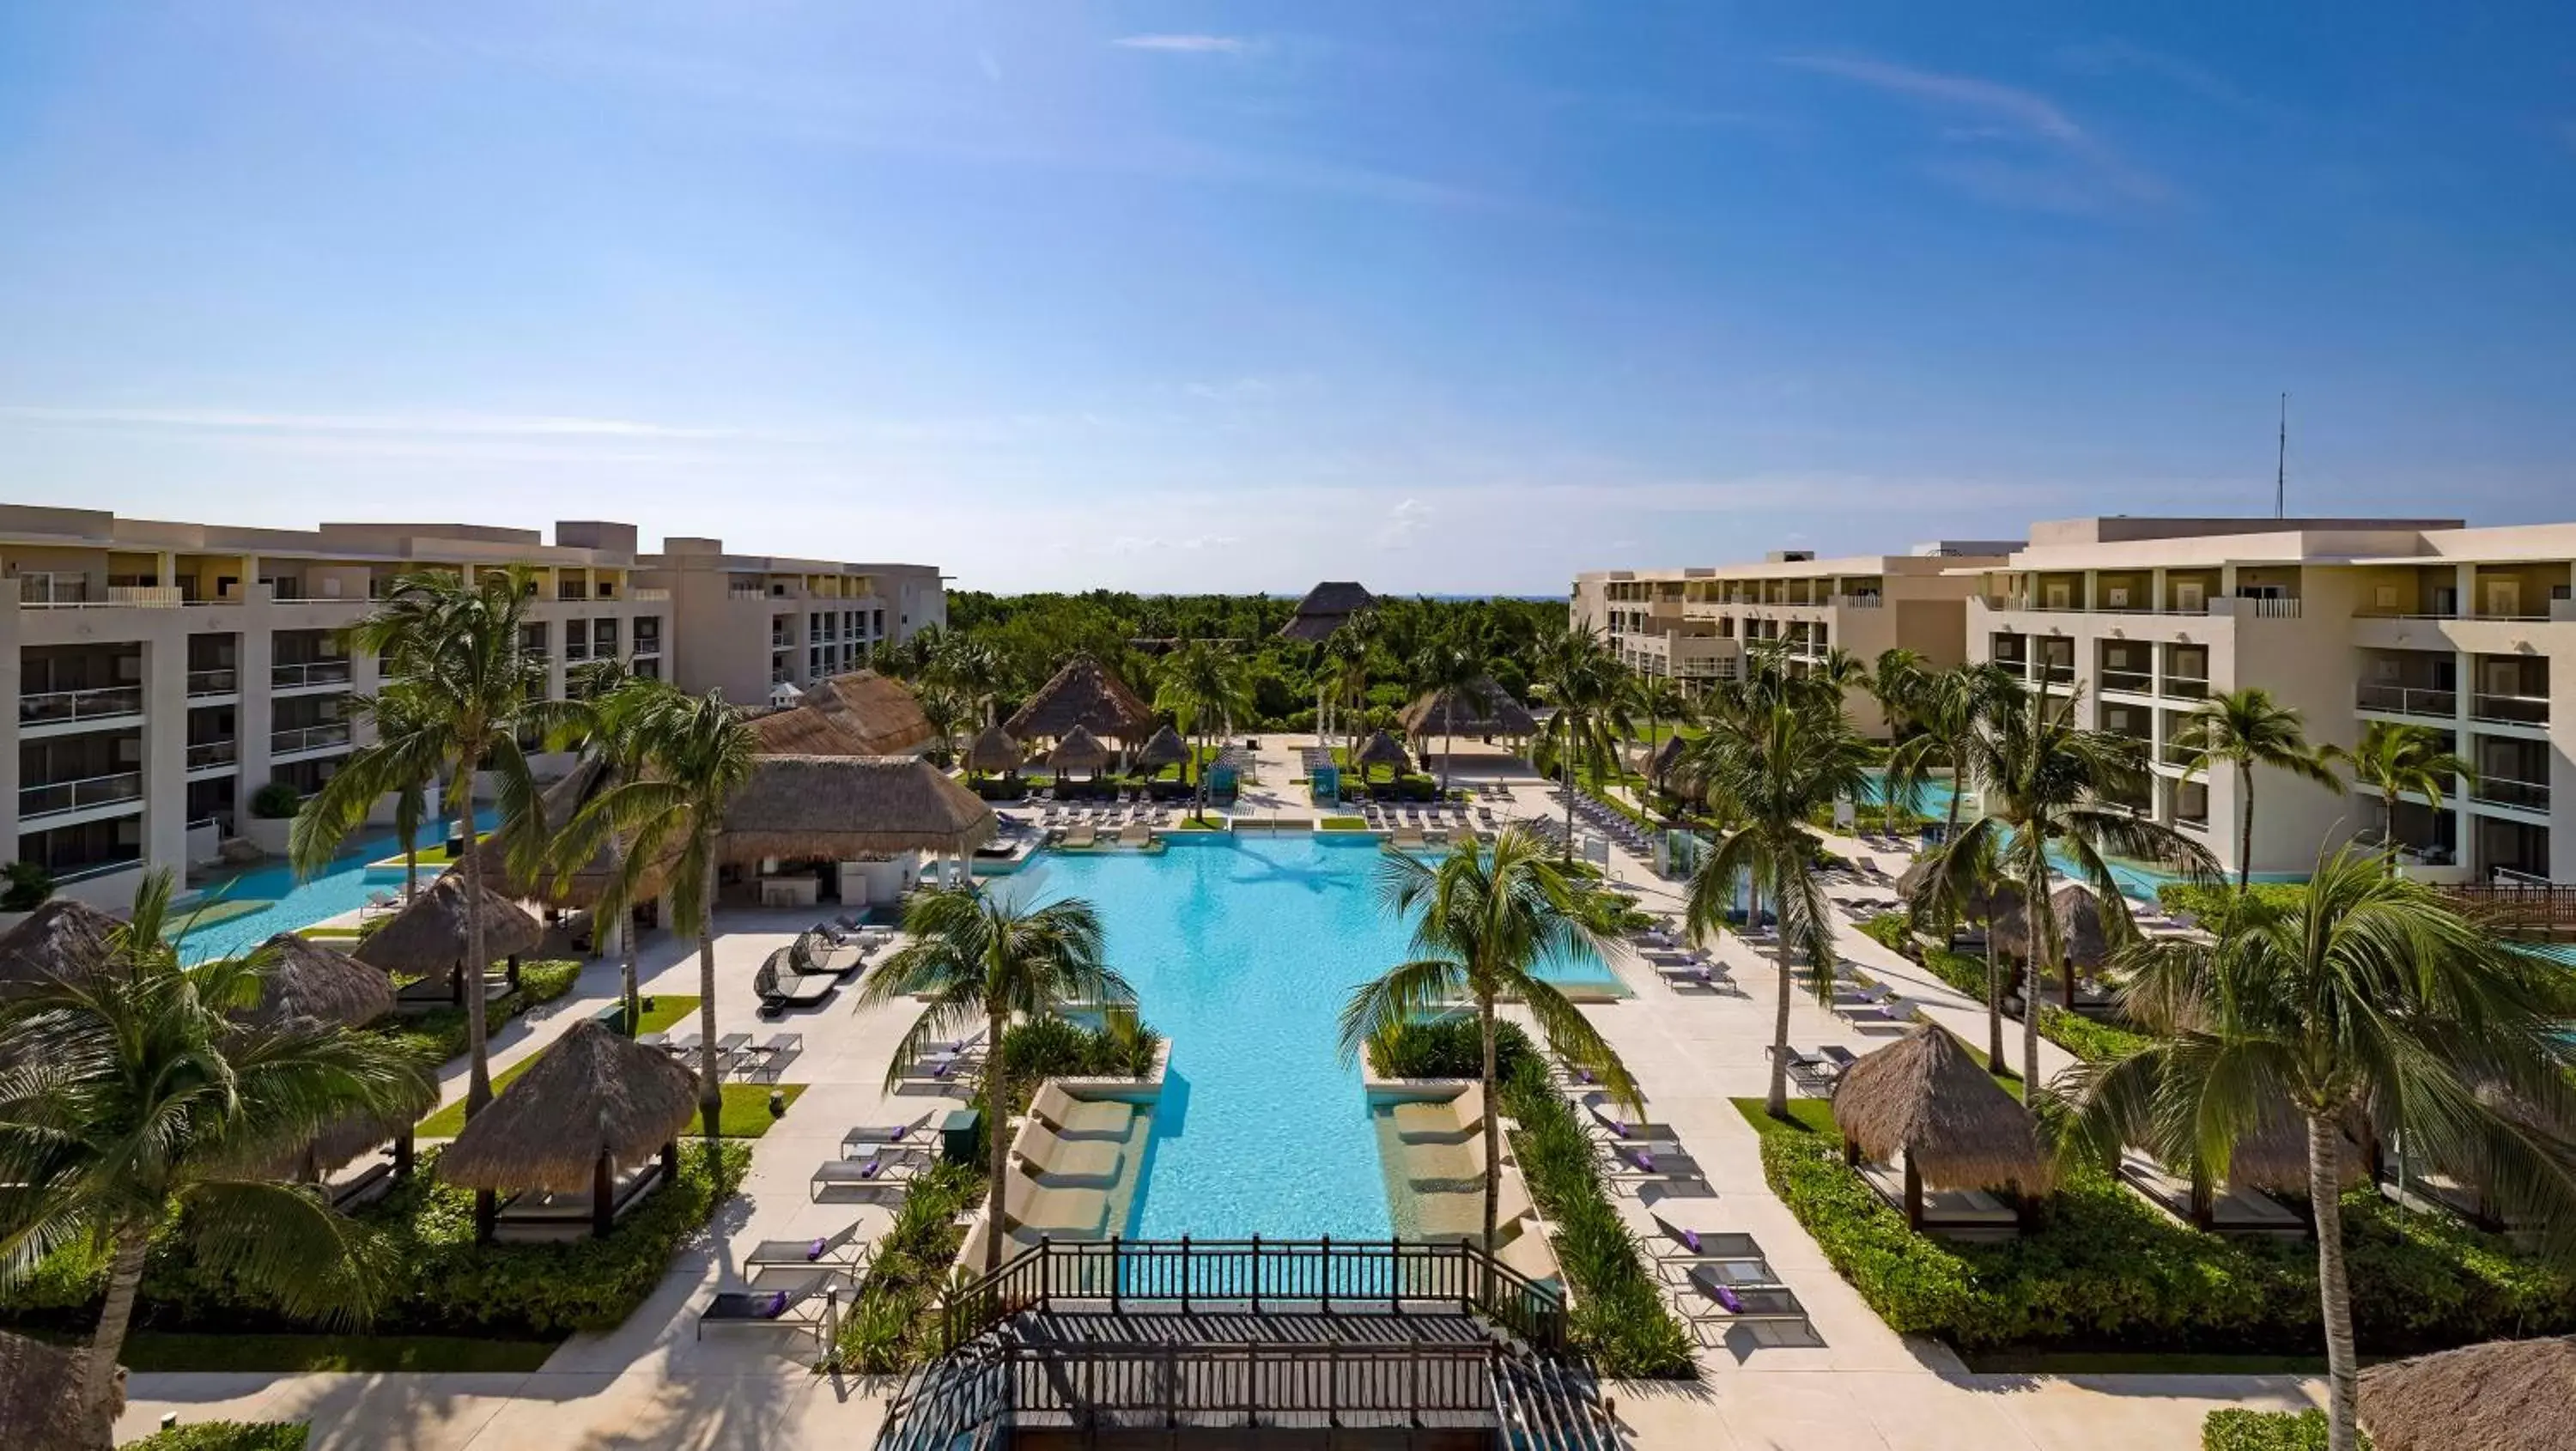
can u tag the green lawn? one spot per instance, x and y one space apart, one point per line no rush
746 1106
336 934
1814 1115
1199 823
1345 823
149 1350
667 1009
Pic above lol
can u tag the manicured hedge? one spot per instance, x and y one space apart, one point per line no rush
2208 901
1450 1048
439 1034
226 1436
2106 1270
894 1321
2241 1430
2087 1038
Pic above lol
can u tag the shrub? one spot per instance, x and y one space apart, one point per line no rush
439 1033
1055 1048
1449 1048
2208 901
2087 1038
2235 1429
29 884
895 1318
226 1436
276 801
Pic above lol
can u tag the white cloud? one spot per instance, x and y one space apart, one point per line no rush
1404 523
425 424
1185 44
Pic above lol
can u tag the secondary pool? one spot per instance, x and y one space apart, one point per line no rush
1242 951
342 887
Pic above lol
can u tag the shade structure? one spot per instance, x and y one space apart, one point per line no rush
994 750
1080 751
591 1094
1164 749
1481 709
585 885
1086 694
40 1399
1666 760
1993 899
311 984
2275 1155
1325 609
61 941
428 936
2505 1395
860 713
2084 937
1381 749
1923 1097
846 808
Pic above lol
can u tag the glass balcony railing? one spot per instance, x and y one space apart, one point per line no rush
2408 700
62 797
2187 687
2133 682
2525 795
308 738
223 680
207 754
2511 709
53 707
309 674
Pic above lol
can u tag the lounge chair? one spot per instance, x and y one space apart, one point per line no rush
1081 834
1048 1209
1135 833
777 994
763 1059
1837 1058
1653 1161
1077 1118
1527 1254
1060 1158
837 1250
1442 1118
876 1164
795 1305
883 1133
1614 1122
1721 1307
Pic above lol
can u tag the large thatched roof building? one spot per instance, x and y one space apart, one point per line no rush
2505 1395
1083 694
847 808
593 1103
60 941
40 1406
1924 1101
858 714
1481 709
1326 608
1165 748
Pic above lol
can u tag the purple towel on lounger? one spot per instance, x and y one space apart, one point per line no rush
1690 1237
816 1250
1643 1159
1727 1297
776 1307
900 1130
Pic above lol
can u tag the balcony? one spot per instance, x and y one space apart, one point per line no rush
2187 687
59 707
207 755
2129 682
649 596
2520 795
223 681
745 592
303 740
2524 710
311 675
61 798
2409 700
648 644
576 650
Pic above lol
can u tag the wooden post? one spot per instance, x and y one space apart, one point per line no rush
1395 1275
603 1197
487 1213
1256 1272
404 1154
1117 1268
1913 1193
1326 1289
514 972
1185 1274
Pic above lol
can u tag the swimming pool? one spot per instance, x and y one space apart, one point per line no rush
1242 950
342 888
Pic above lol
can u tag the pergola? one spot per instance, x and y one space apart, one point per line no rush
590 1106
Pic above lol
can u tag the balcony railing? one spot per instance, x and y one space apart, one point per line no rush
2511 709
746 592
576 649
2055 674
309 674
53 707
648 644
2408 700
61 797
2187 687
2524 795
2133 682
308 738
221 681
207 754
649 596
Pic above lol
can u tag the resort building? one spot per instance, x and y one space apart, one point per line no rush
1693 624
749 624
2419 621
164 672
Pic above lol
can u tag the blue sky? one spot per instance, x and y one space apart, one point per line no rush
1236 296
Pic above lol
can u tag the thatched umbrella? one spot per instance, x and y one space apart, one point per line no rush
2505 1395
40 1399
1667 759
994 751
2084 938
61 941
1381 749
1991 900
1079 751
592 1103
428 936
1483 709
2273 1158
1923 1098
1165 749
1083 694
310 983
845 808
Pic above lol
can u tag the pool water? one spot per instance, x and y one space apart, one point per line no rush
1242 951
343 887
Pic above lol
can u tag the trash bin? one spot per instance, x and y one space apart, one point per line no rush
957 1136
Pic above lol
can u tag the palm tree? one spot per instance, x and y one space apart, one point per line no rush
2052 789
1589 690
973 669
2247 728
1488 921
1896 681
2394 759
1448 667
696 752
1346 659
1658 698
2370 1000
944 709
1984 881
1946 715
139 1104
394 717
1776 752
617 701
1202 685
991 958
463 695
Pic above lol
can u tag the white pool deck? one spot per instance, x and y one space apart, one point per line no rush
650 1384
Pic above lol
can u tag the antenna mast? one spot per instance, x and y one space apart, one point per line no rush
2281 465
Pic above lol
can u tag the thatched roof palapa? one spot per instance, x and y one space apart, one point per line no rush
861 713
1483 709
2505 1395
1084 693
994 750
1325 608
1667 757
61 941
1080 751
591 1092
845 808
311 984
428 936
1992 900
1381 749
2274 1156
1165 749
2084 937
40 1406
1924 1099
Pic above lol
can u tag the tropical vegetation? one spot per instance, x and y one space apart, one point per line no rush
2245 729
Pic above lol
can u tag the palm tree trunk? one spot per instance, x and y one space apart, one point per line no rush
627 992
124 1285
710 1087
1994 1005
1566 769
2034 975
2343 1377
1776 1098
478 1073
2388 826
2245 830
997 1136
1493 1137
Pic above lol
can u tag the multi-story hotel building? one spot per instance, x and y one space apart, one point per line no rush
1693 624
749 624
2349 621
164 672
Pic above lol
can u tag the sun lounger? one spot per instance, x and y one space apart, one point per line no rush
1135 833
1720 1307
1527 1254
1060 1158
1442 1118
1653 1161
764 1059
1614 1122
1033 1205
778 994
837 1250
871 1164
1075 1118
1837 1058
1081 834
796 1305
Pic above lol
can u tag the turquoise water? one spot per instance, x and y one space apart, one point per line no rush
1933 799
342 888
1242 951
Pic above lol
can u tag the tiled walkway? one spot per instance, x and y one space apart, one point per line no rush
650 1384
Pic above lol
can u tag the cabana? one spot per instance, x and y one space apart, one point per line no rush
2272 1159
849 809
2084 940
1482 709
1166 748
568 1129
1080 751
428 939
307 985
994 753
1085 695
1381 749
61 941
40 1399
1924 1102
2505 1395
861 713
